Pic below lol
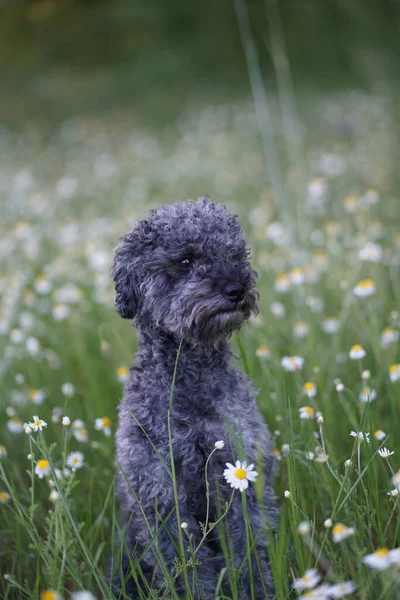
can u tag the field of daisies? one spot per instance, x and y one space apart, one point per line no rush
316 190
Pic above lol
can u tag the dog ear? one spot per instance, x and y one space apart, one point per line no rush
128 269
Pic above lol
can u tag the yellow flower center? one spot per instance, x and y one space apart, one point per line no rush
309 410
1 448
4 496
339 528
357 348
32 394
240 473
394 368
122 371
42 463
15 420
297 271
308 386
382 552
106 421
82 432
75 460
48 595
276 452
38 423
366 283
367 391
378 432
282 279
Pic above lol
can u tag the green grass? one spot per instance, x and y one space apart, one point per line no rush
71 186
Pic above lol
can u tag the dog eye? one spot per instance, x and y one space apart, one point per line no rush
186 262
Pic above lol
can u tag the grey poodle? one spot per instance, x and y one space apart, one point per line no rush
184 276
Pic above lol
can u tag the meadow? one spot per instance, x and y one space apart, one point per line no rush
313 179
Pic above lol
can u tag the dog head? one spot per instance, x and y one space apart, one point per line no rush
186 270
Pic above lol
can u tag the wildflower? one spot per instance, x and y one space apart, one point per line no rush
287 494
68 389
394 372
75 460
309 389
238 476
339 387
320 419
310 455
80 434
263 352
361 437
82 595
292 363
17 336
277 454
379 560
367 395
393 493
348 463
277 310
396 479
42 285
341 589
365 375
4 497
308 581
296 276
60 311
328 523
123 374
379 434
285 449
37 424
184 525
3 451
282 284
340 532
32 346
54 496
37 396
66 421
319 593
42 468
28 430
300 329
219 445
304 528
103 424
357 352
389 336
320 455
371 252
15 425
306 412
50 595
385 453
350 203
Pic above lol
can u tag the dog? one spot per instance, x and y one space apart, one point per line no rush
184 276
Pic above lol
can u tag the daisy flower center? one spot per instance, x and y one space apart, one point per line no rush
42 463
3 496
382 552
38 423
240 473
106 422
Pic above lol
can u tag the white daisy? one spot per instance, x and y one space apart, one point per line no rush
379 434
37 396
296 276
309 389
282 283
341 589
306 412
385 453
361 437
238 476
219 444
371 252
123 374
263 352
292 363
4 497
68 389
82 595
357 352
75 460
309 580
340 532
379 560
394 373
320 593
300 329
42 468
389 336
3 451
15 425
103 424
278 310
367 395
393 493
80 434
364 288
37 424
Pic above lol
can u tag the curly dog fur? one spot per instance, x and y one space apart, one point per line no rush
184 274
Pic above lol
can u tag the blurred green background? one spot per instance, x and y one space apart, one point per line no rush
60 58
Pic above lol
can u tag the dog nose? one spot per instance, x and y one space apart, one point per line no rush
234 291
